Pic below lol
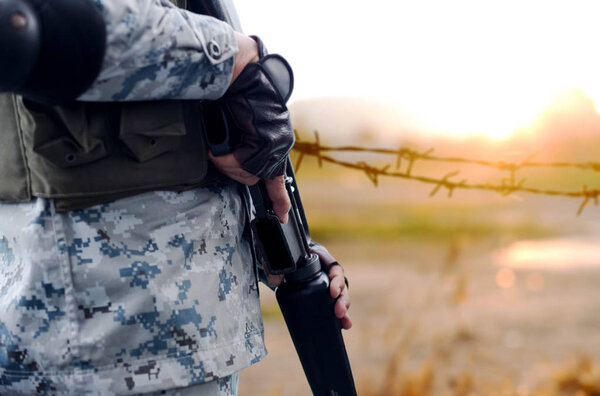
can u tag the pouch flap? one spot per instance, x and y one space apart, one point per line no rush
70 135
63 152
149 129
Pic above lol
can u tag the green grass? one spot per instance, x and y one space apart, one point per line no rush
343 204
384 222
271 312
328 229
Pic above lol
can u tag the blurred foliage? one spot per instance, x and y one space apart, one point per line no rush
422 222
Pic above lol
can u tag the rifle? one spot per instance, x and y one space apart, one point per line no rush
303 297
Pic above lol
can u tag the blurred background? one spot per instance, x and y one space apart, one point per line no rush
479 293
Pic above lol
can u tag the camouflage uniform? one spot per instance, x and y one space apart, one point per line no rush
150 292
153 292
156 50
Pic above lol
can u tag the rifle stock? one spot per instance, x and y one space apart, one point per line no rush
303 297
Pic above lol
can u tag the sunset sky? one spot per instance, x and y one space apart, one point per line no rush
462 67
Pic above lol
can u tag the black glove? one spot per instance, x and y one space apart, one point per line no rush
258 122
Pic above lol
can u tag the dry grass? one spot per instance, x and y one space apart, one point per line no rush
579 376
430 318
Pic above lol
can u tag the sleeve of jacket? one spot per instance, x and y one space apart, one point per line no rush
156 50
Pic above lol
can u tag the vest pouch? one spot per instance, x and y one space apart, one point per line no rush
150 129
89 153
71 135
14 174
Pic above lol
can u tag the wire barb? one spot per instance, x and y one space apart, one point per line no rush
508 185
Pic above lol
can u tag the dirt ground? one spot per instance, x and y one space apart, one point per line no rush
455 318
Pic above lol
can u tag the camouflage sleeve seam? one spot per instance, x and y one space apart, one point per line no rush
109 367
158 51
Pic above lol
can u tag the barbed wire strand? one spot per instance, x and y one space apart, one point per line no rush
506 187
315 148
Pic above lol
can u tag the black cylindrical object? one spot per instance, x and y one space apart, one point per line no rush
50 51
307 307
20 43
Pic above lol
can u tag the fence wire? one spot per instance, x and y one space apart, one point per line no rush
405 159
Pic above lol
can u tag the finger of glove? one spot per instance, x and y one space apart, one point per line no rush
337 283
346 323
279 197
342 305
326 258
230 167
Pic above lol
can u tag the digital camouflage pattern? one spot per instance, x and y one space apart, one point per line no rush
153 294
156 50
147 293
226 386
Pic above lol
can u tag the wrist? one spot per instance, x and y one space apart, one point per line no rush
247 53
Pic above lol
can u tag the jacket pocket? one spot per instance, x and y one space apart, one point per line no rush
70 135
150 129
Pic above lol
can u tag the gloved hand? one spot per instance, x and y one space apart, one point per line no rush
260 130
259 151
338 283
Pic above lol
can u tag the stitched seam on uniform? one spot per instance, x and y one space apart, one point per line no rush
64 263
138 362
144 188
22 145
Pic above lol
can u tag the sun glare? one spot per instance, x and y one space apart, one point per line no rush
491 67
461 67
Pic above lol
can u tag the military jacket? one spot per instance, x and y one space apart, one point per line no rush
152 291
108 144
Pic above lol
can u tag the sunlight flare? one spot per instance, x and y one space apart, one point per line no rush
461 68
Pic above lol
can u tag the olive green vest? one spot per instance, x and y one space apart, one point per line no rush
83 154
86 153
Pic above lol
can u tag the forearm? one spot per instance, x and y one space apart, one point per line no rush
158 51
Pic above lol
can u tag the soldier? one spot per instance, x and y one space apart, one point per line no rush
125 258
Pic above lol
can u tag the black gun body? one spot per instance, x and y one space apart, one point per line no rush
304 297
308 311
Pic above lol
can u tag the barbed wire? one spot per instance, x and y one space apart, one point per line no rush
507 186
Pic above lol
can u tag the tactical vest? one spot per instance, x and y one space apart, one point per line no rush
82 154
